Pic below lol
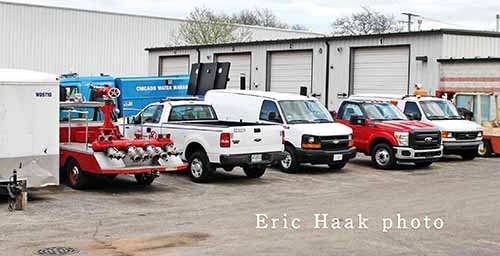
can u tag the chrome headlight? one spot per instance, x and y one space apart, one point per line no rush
403 138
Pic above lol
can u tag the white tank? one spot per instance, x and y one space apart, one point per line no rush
29 126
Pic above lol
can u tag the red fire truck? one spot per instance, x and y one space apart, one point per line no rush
91 145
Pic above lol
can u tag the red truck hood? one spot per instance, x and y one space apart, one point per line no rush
405 126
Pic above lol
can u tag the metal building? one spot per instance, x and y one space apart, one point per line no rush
60 40
333 68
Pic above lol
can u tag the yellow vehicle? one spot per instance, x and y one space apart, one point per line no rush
482 106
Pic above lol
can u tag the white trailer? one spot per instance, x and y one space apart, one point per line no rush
29 127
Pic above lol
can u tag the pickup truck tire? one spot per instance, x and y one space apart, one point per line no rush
77 178
337 166
469 155
485 149
144 179
383 156
423 164
199 167
289 164
254 171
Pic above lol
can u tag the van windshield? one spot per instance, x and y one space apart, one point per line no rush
439 110
304 111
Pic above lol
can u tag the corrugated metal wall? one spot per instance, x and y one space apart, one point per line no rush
59 40
466 46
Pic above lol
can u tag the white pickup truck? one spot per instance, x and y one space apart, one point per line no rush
208 143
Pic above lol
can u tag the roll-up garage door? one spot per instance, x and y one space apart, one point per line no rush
381 70
174 65
290 70
240 66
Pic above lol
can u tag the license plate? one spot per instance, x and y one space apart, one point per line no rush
337 157
256 158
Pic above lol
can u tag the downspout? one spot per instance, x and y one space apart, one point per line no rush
199 55
327 76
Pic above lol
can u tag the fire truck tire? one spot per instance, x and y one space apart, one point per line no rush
144 179
199 167
383 156
254 171
469 155
77 178
290 163
485 149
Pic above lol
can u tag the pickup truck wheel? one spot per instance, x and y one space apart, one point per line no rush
383 156
485 149
337 166
469 155
423 164
289 163
199 167
144 179
77 178
254 171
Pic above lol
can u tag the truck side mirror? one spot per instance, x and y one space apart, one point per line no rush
136 119
272 116
413 116
357 120
334 114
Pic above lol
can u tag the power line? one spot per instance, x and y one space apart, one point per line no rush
447 23
410 15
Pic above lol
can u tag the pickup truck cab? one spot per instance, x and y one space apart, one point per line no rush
311 134
382 131
461 137
208 143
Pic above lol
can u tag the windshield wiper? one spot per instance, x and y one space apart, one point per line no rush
436 117
322 120
299 121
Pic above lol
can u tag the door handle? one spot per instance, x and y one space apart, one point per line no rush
148 130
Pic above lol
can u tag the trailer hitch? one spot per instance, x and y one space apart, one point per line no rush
17 192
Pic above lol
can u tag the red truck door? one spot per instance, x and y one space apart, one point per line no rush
360 133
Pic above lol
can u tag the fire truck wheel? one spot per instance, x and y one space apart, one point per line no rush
77 178
289 164
199 167
485 149
254 171
144 178
383 156
469 155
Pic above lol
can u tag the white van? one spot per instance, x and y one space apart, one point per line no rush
311 135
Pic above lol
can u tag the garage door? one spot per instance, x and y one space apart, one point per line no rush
290 70
174 65
240 66
380 70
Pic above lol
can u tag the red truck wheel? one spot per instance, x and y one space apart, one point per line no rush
77 178
383 156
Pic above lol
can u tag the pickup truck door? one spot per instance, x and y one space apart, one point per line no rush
359 133
146 122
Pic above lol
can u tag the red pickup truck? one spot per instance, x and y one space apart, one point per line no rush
381 130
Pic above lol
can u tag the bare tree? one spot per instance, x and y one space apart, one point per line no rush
365 22
204 26
262 17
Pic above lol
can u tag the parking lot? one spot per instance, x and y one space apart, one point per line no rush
178 217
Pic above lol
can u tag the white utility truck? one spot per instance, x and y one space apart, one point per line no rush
311 135
206 141
29 131
459 136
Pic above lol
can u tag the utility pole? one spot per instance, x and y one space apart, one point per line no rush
498 22
410 15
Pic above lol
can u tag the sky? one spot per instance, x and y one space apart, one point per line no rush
317 15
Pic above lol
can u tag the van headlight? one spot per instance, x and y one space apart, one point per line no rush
403 138
446 134
350 143
310 142
480 134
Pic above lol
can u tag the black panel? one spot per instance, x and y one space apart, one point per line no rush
208 76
